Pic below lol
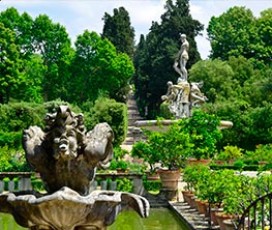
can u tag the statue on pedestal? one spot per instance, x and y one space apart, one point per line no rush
181 97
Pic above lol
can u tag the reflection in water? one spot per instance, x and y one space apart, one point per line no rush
159 219
8 223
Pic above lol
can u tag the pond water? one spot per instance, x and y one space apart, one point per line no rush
159 219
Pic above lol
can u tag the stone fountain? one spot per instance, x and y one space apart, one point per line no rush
66 157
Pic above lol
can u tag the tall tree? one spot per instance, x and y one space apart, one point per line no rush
162 45
238 33
118 30
98 68
52 42
263 47
10 63
21 25
141 78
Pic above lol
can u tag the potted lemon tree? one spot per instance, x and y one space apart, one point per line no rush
171 149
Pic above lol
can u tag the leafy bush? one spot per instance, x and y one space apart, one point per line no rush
230 153
124 185
119 153
11 139
118 165
204 133
14 117
37 184
12 161
112 112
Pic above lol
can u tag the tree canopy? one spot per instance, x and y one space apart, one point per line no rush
238 33
118 30
38 62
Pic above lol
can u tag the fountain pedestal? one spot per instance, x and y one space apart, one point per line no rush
66 156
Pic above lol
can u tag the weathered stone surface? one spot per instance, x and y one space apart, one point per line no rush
66 156
66 209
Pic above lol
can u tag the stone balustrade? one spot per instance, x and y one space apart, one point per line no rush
108 181
21 181
17 181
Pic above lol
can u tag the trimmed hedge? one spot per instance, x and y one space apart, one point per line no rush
112 112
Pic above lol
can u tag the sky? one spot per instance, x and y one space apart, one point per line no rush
80 15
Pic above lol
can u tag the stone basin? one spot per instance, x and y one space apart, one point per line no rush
68 210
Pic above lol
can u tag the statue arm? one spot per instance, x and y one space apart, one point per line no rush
99 148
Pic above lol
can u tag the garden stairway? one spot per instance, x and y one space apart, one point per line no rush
133 133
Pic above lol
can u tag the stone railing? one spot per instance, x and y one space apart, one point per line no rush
21 181
17 181
108 181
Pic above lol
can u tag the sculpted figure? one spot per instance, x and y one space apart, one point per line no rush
65 151
66 156
197 98
183 99
182 58
178 98
171 97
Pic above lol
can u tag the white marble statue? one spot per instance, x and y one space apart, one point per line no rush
177 97
182 58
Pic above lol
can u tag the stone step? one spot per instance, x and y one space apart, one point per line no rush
191 215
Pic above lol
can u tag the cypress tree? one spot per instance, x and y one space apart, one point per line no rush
161 46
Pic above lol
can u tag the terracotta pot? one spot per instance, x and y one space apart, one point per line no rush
201 207
229 224
215 210
186 195
153 176
221 217
193 161
192 201
169 179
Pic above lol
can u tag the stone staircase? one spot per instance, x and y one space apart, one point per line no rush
133 133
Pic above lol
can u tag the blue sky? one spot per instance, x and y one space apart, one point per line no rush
79 15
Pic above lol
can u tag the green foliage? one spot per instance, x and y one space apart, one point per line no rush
216 186
204 134
241 192
11 139
146 151
98 69
124 185
118 165
241 35
119 153
10 63
230 153
218 78
118 30
262 153
151 185
171 148
112 112
17 116
192 174
12 161
37 184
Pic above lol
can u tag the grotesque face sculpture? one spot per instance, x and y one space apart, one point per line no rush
65 150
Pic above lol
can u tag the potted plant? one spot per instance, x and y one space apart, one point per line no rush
230 154
144 150
173 147
120 166
170 148
204 133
